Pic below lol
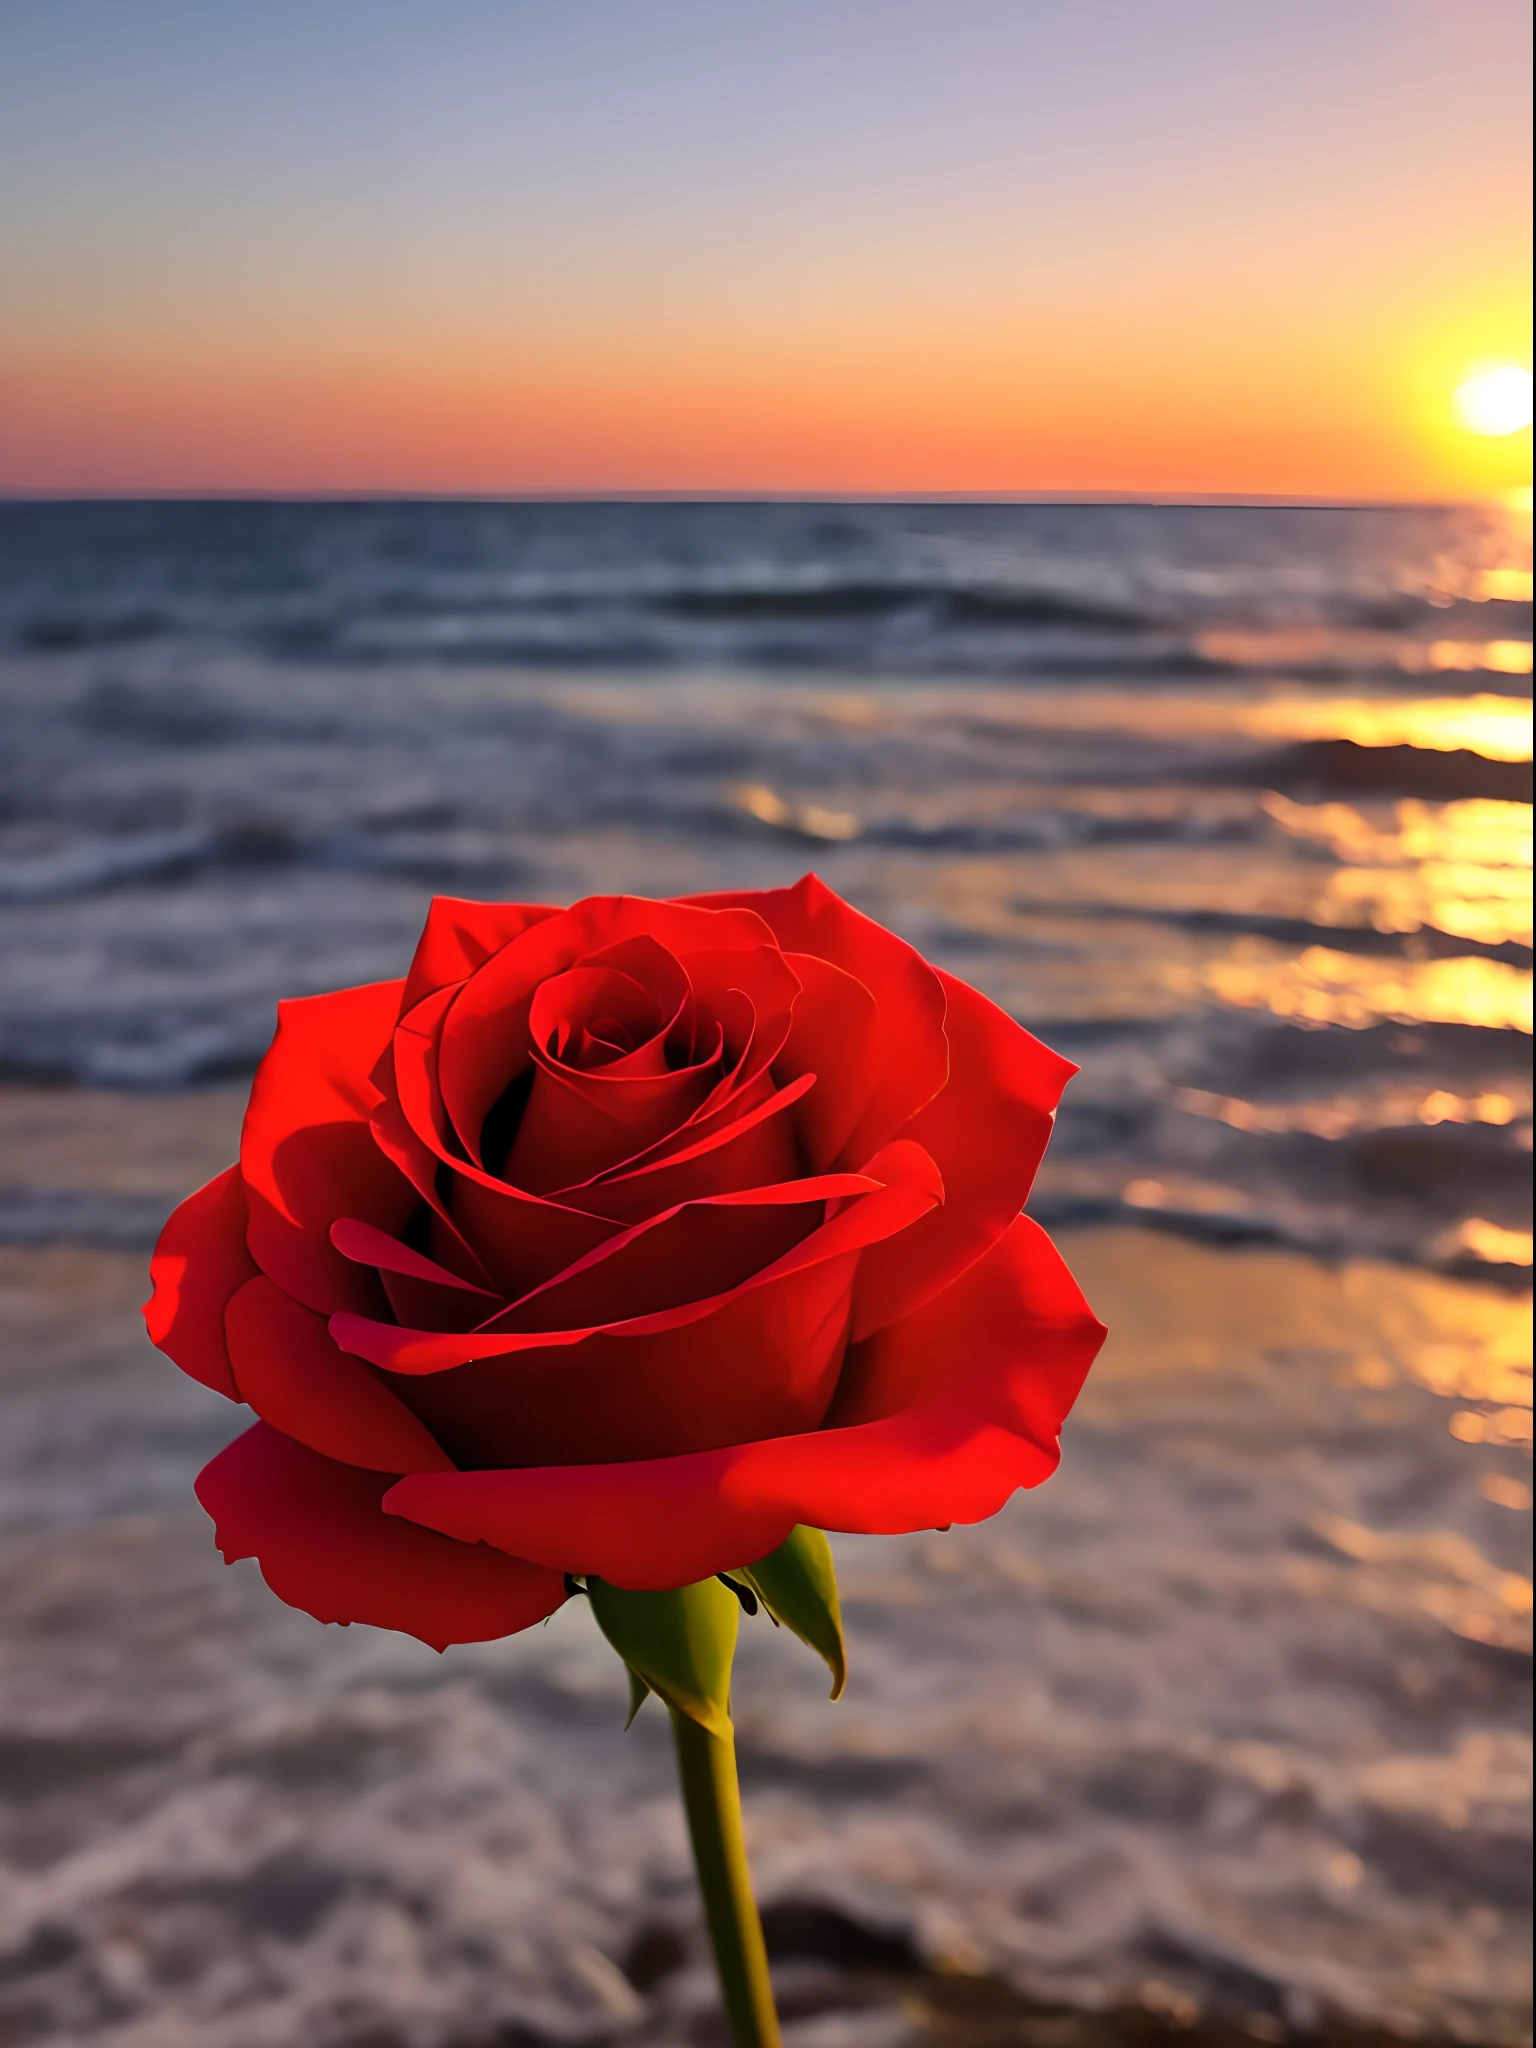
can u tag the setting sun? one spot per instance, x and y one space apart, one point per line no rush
1495 400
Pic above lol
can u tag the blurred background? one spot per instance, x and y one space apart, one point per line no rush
1063 475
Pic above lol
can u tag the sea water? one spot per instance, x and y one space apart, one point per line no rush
1232 806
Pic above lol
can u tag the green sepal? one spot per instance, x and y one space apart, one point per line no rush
639 1693
798 1586
678 1645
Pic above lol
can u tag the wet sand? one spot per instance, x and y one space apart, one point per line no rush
1222 1735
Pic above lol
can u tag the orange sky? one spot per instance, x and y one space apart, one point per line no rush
480 251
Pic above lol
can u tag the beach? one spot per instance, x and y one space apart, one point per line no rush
1221 1735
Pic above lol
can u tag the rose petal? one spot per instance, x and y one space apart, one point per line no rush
910 1187
423 1305
288 1368
729 1101
835 1039
406 1076
461 936
986 1132
752 993
522 1239
484 1036
662 1522
577 1125
419 1165
720 1240
561 1007
910 1060
1015 1353
766 979
1012 1337
198 1263
650 996
366 1246
516 1246
503 1234
758 1150
316 1530
764 1363
307 1154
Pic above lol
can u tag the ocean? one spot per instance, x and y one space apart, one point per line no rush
1226 1727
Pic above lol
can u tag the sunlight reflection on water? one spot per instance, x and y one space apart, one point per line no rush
1498 728
1322 649
1472 829
1337 1116
1324 987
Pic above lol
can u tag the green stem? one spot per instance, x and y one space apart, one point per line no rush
712 1800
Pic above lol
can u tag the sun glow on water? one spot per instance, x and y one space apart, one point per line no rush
1325 987
1497 727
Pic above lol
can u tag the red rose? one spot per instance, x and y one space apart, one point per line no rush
620 1240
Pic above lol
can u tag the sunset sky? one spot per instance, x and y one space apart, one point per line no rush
1165 246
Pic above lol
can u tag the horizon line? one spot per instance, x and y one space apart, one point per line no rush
1231 500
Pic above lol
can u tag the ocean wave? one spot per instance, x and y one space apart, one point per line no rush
153 1053
1333 1226
1424 942
973 605
69 632
84 869
900 642
255 842
1042 824
105 1221
1333 764
190 714
1472 615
